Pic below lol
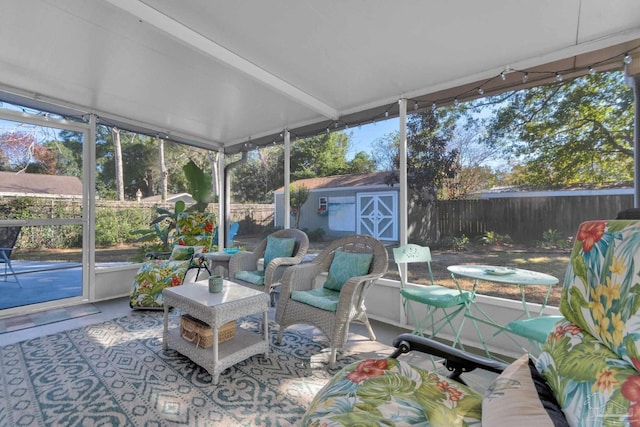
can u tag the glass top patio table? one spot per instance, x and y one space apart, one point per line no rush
503 275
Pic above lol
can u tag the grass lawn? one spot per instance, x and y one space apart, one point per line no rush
550 261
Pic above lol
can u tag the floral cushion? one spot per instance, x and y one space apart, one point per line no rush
182 253
591 360
601 291
346 265
390 392
152 278
202 240
195 223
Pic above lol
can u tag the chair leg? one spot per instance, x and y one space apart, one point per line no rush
15 276
332 357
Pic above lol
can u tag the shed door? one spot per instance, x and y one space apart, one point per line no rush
378 215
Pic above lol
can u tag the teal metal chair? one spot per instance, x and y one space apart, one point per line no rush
442 304
233 230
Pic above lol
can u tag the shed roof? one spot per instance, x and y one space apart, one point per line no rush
341 181
33 184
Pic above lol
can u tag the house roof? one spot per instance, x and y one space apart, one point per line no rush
235 74
341 181
33 184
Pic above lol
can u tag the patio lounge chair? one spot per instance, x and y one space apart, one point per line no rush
588 373
195 234
8 239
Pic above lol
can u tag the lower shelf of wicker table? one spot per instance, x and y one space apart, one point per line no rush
199 333
244 345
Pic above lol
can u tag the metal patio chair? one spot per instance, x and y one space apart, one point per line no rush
8 239
442 304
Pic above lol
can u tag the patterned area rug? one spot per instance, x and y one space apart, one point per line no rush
50 316
116 374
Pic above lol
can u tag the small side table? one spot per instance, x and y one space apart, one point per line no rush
218 259
216 309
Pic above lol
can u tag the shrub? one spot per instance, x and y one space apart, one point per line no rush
552 238
493 238
456 243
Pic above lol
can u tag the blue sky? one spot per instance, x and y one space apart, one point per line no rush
363 136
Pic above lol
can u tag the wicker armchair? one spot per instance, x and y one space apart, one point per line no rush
304 299
247 269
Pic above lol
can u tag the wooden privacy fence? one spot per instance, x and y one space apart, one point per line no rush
525 219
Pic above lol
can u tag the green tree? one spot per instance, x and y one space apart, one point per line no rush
298 197
578 131
322 155
429 160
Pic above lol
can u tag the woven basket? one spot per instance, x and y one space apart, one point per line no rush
201 334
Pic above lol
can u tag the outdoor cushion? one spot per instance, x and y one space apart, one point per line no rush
203 240
322 298
391 392
536 328
182 253
152 277
346 265
437 296
520 397
194 223
253 277
278 247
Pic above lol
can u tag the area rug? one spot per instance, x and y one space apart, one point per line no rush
116 374
17 323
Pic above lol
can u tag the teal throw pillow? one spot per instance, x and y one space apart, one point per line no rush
278 247
346 265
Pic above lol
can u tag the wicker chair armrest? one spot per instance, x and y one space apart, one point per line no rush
242 261
274 271
299 277
352 289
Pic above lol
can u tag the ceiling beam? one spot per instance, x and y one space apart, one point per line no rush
222 54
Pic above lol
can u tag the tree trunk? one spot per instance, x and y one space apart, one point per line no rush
118 159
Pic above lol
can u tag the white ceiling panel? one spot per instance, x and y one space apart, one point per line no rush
221 72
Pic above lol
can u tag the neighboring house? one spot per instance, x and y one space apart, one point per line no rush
40 185
347 204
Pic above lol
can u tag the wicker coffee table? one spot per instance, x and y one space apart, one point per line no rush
216 309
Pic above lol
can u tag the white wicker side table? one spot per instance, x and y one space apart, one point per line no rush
216 309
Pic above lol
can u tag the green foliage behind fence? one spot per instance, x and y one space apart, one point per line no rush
114 220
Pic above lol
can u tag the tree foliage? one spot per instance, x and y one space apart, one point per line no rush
322 155
429 160
580 131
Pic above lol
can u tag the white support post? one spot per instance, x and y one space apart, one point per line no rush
223 201
403 201
287 178
89 209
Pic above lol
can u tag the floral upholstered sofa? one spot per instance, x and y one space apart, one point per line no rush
588 373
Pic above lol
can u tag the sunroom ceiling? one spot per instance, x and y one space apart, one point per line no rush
221 73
